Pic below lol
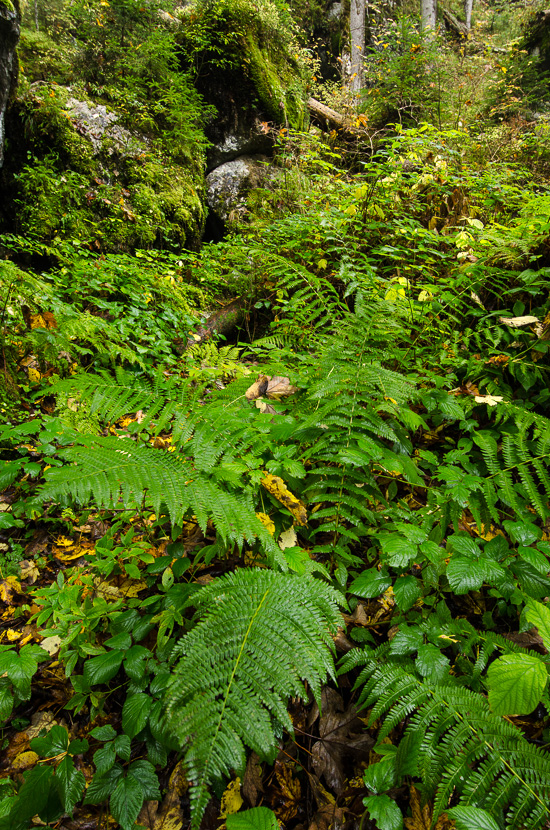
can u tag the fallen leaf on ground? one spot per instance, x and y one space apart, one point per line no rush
286 798
232 800
340 735
278 489
288 539
275 388
517 322
170 814
252 781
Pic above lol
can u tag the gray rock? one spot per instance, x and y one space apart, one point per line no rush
247 140
9 37
229 184
101 127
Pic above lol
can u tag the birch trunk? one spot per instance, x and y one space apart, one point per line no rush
468 6
429 12
357 38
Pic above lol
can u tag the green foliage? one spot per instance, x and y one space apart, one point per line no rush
456 743
279 636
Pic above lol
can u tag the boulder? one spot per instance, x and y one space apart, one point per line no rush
9 37
228 185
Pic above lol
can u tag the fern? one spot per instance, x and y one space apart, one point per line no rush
260 635
109 469
455 743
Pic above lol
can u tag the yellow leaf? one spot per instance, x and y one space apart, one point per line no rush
12 635
34 375
232 800
24 760
267 522
279 490
64 542
131 588
288 539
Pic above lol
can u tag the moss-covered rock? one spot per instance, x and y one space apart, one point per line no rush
81 173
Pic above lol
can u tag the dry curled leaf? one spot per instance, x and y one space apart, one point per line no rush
278 489
275 388
517 322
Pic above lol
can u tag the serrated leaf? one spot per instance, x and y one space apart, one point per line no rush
371 583
516 684
538 614
102 786
384 811
144 773
103 668
54 743
134 713
258 818
104 733
431 663
104 759
465 574
70 783
472 818
407 589
406 640
126 802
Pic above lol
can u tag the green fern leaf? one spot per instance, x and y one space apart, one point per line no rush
260 636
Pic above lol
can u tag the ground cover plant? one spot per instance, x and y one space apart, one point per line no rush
298 579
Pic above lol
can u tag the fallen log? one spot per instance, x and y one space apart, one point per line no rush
455 25
222 321
328 119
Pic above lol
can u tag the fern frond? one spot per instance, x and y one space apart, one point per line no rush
461 749
109 469
260 636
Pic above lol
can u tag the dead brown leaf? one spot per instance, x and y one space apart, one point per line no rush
341 735
275 388
170 815
286 798
252 781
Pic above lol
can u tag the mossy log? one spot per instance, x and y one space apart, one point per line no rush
222 321
329 119
456 26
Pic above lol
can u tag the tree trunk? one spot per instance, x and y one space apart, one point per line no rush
429 13
357 38
468 6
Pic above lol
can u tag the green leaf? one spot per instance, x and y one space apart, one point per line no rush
122 641
380 776
258 818
523 532
472 818
431 663
370 583
103 733
464 545
384 811
54 743
398 551
33 797
134 713
103 668
407 589
6 700
126 802
102 785
123 747
70 783
406 640
135 662
538 614
144 772
465 574
104 759
516 683
9 470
